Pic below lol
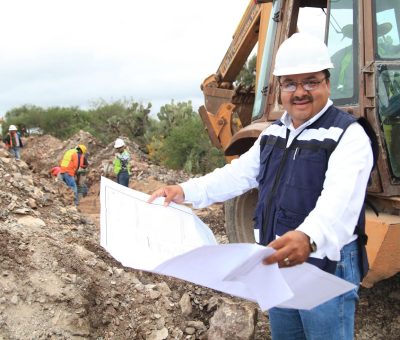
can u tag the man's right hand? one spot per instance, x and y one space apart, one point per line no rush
172 193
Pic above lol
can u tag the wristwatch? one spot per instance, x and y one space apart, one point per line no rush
313 246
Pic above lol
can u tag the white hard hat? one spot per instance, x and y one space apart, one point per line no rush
302 53
12 128
119 143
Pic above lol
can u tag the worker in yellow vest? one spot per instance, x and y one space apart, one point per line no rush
122 167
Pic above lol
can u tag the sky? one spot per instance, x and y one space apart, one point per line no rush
75 52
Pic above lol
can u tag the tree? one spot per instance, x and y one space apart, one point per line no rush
176 139
62 122
182 142
26 116
172 114
119 118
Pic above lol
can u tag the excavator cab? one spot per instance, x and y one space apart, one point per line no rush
363 40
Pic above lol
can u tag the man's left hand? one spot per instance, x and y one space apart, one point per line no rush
291 248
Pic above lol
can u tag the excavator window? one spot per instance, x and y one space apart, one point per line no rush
387 32
387 51
389 113
302 22
342 41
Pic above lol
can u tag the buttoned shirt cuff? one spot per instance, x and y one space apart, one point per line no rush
322 247
192 193
315 236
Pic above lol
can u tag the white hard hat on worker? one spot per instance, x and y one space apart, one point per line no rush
302 64
12 128
119 143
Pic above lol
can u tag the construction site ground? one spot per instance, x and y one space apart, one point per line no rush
57 282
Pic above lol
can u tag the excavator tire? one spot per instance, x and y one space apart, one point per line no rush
239 217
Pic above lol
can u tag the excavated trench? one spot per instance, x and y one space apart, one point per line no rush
57 282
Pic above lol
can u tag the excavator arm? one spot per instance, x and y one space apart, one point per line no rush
228 109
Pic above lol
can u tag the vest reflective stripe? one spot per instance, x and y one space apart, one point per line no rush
291 179
121 163
67 158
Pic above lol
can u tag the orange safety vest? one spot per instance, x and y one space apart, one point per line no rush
69 163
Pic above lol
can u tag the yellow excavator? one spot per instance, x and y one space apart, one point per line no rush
364 42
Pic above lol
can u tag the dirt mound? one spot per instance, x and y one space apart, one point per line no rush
57 282
42 152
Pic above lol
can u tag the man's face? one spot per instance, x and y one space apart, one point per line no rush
301 104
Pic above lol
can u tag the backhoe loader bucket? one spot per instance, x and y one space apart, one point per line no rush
382 248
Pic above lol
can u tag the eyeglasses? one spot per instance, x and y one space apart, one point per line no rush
308 85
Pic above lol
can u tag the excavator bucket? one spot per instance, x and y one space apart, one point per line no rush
382 248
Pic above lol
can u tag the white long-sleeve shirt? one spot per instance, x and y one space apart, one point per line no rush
331 223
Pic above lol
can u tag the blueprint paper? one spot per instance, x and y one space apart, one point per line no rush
173 241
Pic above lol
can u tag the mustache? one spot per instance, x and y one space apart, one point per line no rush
306 97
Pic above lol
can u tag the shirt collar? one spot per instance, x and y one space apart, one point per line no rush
287 121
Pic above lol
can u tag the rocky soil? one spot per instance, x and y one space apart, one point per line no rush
57 282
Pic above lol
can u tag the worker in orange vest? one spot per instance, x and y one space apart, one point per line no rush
73 160
13 141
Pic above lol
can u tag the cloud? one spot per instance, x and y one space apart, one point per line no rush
71 52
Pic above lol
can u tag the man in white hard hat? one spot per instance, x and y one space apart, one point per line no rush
122 167
311 168
13 142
